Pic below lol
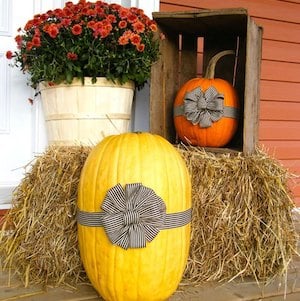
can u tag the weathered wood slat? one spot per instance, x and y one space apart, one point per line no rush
188 55
252 96
208 20
164 86
15 290
83 293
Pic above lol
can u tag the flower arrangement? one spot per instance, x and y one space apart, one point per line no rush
93 39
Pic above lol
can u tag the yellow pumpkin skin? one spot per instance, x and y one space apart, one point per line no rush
222 131
150 273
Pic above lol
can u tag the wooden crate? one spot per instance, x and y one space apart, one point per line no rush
216 30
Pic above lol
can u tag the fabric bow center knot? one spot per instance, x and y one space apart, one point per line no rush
132 216
204 108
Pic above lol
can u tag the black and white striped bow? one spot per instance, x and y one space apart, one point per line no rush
204 108
133 216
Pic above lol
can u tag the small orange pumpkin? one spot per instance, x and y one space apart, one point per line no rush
206 109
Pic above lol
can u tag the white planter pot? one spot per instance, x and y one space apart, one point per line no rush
79 114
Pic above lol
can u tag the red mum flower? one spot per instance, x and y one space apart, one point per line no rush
44 17
111 18
135 39
123 12
99 11
153 27
104 33
85 10
36 21
59 12
140 47
65 22
37 32
72 56
138 27
105 23
29 46
115 6
69 4
9 54
19 40
123 40
36 41
91 24
140 12
132 18
67 12
52 30
127 33
102 28
28 25
122 24
134 10
76 29
91 12
46 27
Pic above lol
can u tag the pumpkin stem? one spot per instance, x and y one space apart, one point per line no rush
210 70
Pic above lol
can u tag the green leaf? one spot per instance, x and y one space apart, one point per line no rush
69 76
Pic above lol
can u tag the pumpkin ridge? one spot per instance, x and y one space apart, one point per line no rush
94 231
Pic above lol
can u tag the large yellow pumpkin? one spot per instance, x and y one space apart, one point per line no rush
206 109
150 272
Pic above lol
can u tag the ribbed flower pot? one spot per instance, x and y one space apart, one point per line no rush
79 114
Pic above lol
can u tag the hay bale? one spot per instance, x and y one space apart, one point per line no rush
42 246
242 220
242 217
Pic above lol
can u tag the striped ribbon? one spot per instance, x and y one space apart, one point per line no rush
204 108
133 216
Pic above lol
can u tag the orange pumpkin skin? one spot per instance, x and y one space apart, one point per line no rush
222 131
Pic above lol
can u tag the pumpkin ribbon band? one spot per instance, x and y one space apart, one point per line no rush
204 108
133 216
